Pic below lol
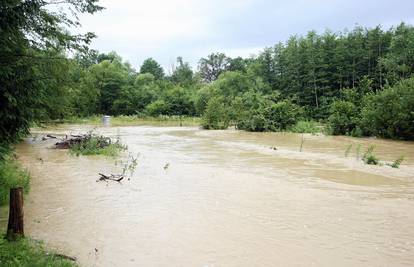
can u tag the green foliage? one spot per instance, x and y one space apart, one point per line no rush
97 145
182 74
212 66
369 156
390 113
12 175
152 67
396 163
344 117
282 115
305 127
271 116
216 115
31 41
30 253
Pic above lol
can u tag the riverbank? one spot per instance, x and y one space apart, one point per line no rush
23 252
133 120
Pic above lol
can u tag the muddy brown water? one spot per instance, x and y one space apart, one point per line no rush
225 199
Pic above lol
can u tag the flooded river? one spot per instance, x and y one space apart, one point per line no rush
223 198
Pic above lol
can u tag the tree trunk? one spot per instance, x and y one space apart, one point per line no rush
15 228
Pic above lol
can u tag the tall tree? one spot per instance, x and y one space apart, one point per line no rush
27 27
211 67
151 66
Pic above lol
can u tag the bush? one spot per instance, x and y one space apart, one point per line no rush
305 127
216 114
272 117
390 113
12 175
344 118
157 108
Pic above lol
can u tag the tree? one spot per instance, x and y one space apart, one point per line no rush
211 67
390 113
28 27
183 74
151 66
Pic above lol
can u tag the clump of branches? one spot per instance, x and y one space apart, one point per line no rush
92 144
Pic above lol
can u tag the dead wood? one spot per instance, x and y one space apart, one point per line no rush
112 177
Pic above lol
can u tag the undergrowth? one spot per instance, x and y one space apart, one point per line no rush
29 253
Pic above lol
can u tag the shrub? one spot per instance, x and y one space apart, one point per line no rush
216 114
343 118
390 113
157 108
271 117
282 115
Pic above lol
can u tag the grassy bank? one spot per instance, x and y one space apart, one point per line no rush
136 120
24 252
30 253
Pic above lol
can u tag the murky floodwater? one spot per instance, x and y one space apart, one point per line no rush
226 199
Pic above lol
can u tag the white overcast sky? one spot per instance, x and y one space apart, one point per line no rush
166 29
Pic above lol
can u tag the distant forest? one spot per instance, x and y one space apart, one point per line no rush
357 82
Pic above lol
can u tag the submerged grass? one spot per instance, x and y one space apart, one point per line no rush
30 253
396 163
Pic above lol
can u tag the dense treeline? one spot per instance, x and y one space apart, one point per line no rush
358 82
338 78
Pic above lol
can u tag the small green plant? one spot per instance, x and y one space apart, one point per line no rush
369 156
348 149
396 163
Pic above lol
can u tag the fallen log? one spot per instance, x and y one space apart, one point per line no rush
113 177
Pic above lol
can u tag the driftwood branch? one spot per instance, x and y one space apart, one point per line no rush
113 177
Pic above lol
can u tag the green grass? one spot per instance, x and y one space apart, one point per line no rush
123 120
305 127
12 175
97 145
26 252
